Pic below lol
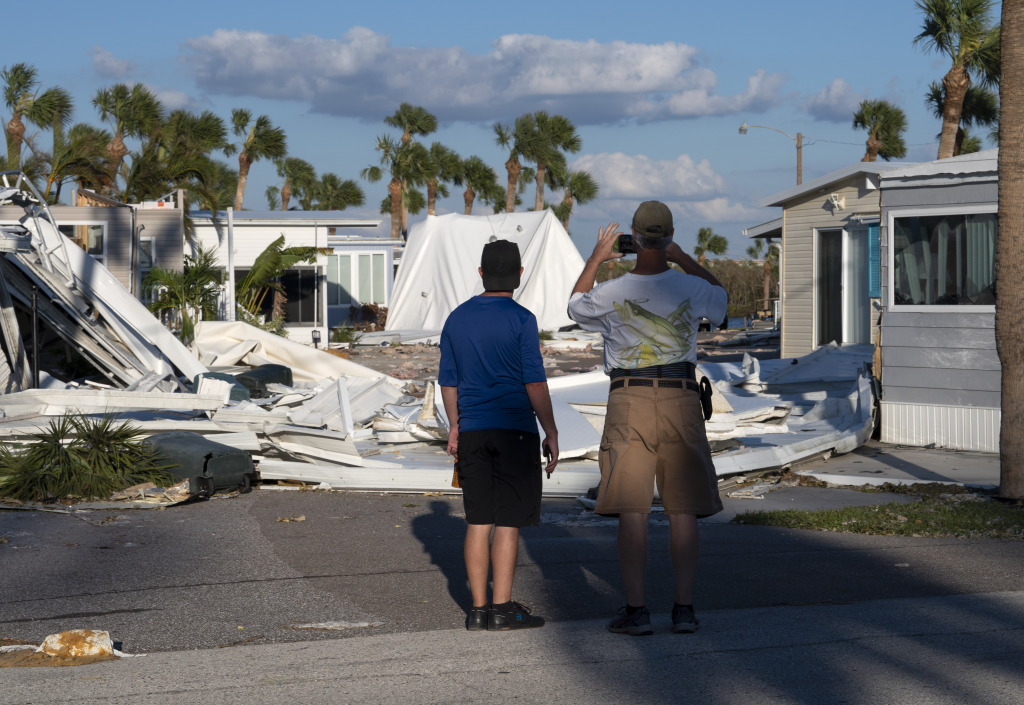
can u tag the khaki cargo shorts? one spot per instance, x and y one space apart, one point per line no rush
656 435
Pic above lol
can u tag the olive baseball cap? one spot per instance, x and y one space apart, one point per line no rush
501 263
653 219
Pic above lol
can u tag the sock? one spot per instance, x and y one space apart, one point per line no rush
631 610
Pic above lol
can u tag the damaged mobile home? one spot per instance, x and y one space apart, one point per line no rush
334 423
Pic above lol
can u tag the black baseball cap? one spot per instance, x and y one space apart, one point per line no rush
501 263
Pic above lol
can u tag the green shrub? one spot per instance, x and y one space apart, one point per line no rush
79 456
345 334
545 335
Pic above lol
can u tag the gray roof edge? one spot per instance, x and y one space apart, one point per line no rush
763 229
323 217
978 164
873 168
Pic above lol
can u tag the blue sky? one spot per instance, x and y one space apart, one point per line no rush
657 89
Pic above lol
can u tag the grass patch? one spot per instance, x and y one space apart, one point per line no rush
956 514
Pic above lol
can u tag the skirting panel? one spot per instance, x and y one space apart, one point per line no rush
956 427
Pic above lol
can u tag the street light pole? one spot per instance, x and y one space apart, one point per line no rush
799 140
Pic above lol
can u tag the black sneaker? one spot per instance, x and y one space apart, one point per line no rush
515 616
684 621
476 620
636 624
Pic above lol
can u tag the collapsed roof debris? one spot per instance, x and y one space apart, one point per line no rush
339 424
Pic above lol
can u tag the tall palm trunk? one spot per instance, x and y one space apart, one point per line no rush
15 138
767 281
286 194
395 191
514 168
956 82
1010 251
542 169
469 195
431 196
244 163
567 202
873 146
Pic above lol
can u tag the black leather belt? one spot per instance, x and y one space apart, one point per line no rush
676 370
653 382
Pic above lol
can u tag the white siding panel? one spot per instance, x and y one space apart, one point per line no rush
956 427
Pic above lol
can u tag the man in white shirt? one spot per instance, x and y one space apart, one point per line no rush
654 428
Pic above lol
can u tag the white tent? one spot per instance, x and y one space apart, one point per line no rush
438 270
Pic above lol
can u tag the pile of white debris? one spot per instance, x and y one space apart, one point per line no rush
338 424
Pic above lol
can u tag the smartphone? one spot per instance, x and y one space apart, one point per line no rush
626 245
547 457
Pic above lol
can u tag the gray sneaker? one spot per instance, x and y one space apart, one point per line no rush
684 621
636 624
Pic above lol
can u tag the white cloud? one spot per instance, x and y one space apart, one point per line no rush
693 191
361 74
721 210
174 99
836 102
640 177
107 65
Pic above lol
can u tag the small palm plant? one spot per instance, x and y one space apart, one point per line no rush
191 294
79 456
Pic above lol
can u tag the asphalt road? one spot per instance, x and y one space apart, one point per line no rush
386 572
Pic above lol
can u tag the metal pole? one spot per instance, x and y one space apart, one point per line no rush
231 266
35 338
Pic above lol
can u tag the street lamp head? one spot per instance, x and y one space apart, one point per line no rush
743 128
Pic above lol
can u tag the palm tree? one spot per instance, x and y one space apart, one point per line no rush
520 139
265 273
478 178
412 120
131 112
401 163
885 124
579 188
981 107
49 109
273 196
176 155
963 31
443 167
557 135
260 140
190 295
770 253
709 241
299 176
78 155
330 193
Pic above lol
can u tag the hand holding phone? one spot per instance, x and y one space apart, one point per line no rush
626 245
547 456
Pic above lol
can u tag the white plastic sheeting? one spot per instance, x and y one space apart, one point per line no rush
220 344
439 268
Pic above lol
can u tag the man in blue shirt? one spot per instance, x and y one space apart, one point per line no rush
494 392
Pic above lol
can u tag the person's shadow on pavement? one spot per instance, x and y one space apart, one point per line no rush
443 537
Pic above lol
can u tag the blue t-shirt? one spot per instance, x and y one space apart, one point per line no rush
489 350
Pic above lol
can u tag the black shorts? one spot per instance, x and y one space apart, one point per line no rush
499 471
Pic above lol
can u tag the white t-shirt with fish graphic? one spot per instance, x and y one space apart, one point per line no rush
649 319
